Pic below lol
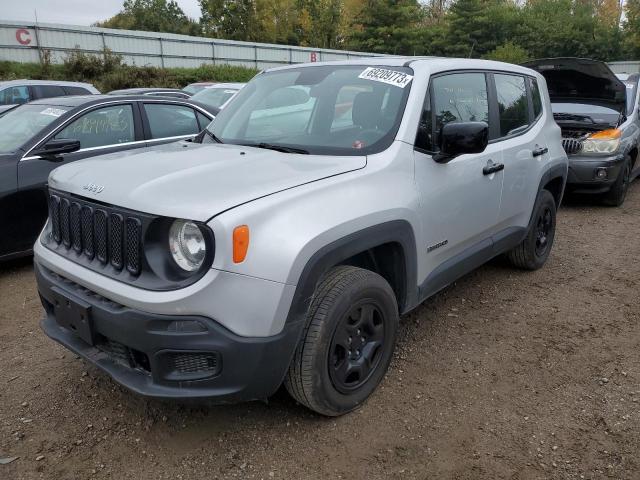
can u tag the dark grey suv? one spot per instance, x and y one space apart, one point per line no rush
599 117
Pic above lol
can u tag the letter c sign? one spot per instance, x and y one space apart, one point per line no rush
23 36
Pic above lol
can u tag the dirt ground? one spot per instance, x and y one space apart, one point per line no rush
505 374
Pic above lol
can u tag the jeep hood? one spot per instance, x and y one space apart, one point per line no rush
194 181
581 80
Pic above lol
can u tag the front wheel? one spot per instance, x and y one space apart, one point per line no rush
534 250
348 342
616 196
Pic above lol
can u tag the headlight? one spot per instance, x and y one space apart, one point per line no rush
187 245
602 143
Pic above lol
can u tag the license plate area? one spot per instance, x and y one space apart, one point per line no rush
73 314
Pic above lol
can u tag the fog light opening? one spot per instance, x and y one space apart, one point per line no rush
601 173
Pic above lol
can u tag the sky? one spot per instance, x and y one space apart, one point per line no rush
75 12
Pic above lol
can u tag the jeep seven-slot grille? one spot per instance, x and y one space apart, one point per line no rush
90 231
571 145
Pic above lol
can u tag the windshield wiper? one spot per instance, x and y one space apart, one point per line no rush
279 148
572 116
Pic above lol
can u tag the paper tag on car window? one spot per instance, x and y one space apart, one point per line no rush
384 75
54 112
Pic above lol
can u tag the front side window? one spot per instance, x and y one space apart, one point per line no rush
168 120
513 105
48 91
324 109
14 95
101 127
24 122
459 97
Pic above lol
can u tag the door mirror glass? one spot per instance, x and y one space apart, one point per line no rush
459 138
58 146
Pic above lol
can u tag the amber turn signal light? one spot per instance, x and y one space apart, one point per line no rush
240 243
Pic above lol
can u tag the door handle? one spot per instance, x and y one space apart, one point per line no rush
492 168
539 151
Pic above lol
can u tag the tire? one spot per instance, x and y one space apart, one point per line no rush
353 310
534 250
616 196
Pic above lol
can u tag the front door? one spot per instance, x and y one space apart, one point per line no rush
460 201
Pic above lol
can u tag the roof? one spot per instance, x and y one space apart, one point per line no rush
226 85
431 63
131 91
74 101
24 81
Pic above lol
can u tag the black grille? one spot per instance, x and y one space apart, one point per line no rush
571 145
114 238
193 363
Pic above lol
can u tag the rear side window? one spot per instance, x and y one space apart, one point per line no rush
48 91
76 91
513 105
102 127
14 95
458 97
537 99
167 120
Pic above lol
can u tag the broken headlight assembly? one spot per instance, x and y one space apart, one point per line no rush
604 142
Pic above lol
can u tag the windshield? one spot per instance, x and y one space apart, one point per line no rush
214 97
596 113
194 88
327 109
20 124
631 85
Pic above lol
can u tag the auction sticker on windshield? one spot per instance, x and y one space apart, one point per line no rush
55 112
384 75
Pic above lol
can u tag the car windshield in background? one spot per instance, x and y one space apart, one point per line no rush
631 86
20 124
584 112
328 109
194 88
214 97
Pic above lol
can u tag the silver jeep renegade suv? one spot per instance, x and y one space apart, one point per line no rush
283 244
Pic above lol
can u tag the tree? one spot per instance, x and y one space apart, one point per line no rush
231 19
152 16
508 52
386 26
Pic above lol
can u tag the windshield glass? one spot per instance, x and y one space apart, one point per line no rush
20 124
597 113
631 85
326 109
194 88
214 97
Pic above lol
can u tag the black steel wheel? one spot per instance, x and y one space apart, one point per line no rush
533 251
347 344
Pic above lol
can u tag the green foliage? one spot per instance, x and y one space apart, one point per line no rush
152 16
508 52
107 72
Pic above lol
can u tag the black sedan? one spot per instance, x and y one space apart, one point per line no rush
39 136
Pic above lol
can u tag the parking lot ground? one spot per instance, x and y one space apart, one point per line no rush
505 374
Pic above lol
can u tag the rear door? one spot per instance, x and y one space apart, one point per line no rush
520 135
166 122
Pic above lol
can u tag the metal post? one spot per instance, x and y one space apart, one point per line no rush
255 55
161 52
35 29
290 56
213 52
104 46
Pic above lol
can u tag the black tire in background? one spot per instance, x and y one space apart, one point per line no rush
347 344
616 196
534 250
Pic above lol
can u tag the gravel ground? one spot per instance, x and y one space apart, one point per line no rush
505 374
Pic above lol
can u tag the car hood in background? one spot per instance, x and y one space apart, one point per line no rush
194 181
581 80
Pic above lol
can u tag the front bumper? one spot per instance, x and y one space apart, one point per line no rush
583 173
169 356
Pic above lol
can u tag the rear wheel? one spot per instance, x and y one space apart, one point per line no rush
616 196
348 342
534 250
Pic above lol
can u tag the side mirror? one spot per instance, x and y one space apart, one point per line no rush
55 147
458 138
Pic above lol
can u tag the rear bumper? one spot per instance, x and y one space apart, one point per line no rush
167 356
583 173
